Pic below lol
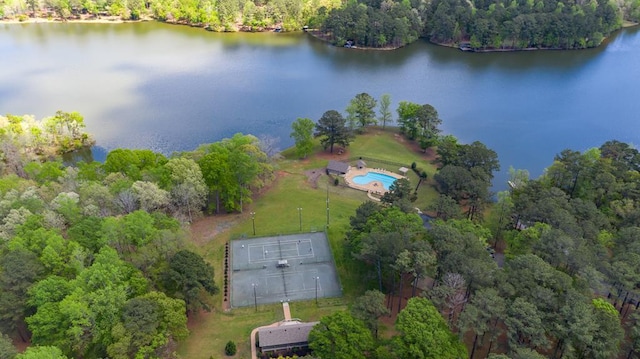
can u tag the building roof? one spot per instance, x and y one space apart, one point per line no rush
361 163
337 166
285 334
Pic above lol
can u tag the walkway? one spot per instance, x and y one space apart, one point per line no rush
372 197
287 312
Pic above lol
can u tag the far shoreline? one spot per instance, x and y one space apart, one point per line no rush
625 25
82 20
92 19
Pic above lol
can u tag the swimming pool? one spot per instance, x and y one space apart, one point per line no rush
386 180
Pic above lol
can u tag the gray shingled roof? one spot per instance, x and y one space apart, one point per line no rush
337 166
285 334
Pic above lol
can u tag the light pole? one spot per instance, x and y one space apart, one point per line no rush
255 297
253 220
327 204
300 217
317 278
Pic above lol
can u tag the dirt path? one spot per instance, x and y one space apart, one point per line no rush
205 229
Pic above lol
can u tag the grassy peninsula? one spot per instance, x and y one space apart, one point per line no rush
295 185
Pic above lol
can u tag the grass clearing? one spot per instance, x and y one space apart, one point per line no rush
276 212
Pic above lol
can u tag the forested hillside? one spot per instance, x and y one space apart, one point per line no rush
493 24
477 24
216 15
524 24
93 261
567 286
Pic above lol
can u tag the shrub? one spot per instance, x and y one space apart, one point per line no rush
336 182
230 349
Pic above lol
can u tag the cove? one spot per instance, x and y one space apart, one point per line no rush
171 88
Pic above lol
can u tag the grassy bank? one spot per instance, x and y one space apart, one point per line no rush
276 212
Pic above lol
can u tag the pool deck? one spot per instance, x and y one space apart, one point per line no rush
373 187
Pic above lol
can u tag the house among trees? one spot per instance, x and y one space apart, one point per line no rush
337 167
287 336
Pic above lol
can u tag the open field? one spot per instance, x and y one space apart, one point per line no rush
276 212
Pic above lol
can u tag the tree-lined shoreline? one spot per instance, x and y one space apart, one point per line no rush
476 25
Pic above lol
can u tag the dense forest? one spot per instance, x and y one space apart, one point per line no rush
474 24
567 286
216 15
93 260
524 24
563 282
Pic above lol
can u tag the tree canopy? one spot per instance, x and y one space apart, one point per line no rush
340 336
302 134
332 130
424 333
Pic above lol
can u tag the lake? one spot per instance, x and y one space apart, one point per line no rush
170 88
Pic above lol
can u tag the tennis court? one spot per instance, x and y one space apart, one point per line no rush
282 268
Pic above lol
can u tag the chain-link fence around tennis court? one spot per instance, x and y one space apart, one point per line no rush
282 268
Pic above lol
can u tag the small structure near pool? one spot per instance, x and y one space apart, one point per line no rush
337 168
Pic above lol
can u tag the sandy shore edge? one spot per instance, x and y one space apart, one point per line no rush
87 20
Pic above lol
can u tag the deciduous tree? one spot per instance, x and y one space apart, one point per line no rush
188 190
408 119
302 134
149 323
361 110
150 196
40 352
385 110
190 278
424 333
340 336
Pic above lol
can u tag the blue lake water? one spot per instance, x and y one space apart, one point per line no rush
171 88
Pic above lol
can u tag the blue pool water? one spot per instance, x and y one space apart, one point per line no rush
375 176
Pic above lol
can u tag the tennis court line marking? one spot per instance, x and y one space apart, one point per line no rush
294 274
265 249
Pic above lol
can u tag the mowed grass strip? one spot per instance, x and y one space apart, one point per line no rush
276 212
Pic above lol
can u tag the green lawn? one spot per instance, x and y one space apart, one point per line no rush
383 145
276 212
